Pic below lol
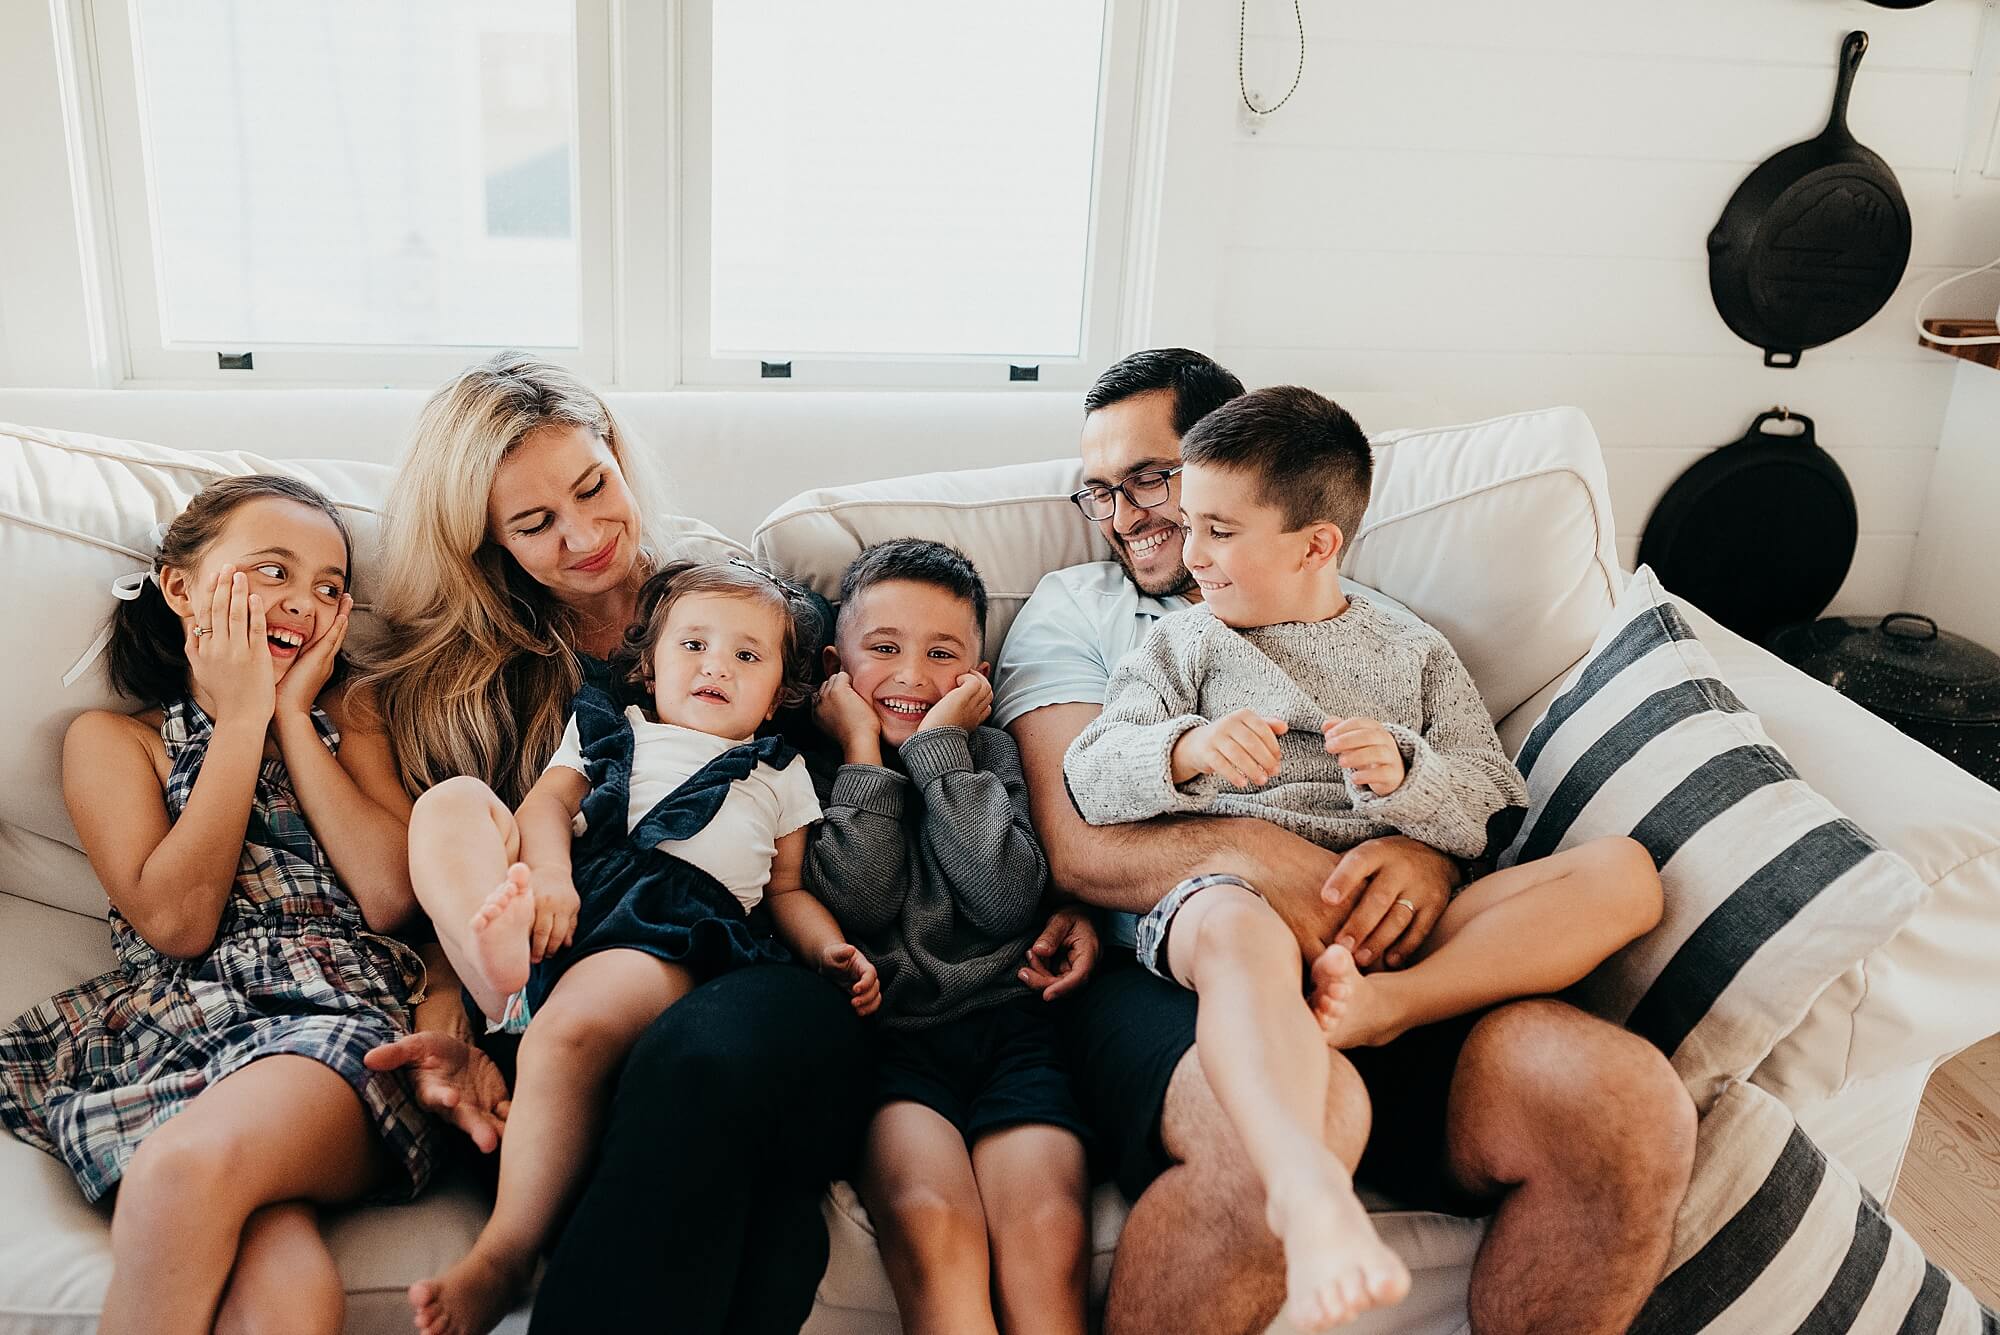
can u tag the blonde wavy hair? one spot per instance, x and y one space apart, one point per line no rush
476 669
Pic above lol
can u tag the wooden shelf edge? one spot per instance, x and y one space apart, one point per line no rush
1985 354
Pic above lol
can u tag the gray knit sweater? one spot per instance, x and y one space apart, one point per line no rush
934 871
1192 668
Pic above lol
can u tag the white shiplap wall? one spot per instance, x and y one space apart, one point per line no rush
1506 206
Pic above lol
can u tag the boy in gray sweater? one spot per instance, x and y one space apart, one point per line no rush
928 858
1280 697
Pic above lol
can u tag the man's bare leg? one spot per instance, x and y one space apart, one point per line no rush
1590 1136
1196 1255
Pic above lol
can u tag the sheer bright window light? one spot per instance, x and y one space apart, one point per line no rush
364 172
905 177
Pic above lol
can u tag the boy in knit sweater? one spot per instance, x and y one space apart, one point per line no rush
928 858
1279 697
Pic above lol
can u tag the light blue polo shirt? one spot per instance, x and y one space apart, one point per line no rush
1071 634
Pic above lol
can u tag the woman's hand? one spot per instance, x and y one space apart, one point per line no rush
965 705
1061 958
228 652
841 713
310 670
844 964
1392 891
452 1080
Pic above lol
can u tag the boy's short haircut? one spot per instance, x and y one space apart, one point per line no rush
920 561
1310 456
1199 383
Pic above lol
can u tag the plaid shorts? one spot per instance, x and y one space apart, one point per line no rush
1151 942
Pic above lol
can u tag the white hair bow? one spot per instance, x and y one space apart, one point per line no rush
125 588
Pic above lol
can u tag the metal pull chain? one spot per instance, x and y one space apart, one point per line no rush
1242 28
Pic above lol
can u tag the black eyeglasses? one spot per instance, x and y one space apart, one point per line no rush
1141 490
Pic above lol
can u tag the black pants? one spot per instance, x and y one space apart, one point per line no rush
702 1212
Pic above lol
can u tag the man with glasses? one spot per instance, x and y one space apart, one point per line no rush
1576 1136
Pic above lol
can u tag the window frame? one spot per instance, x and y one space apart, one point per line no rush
1112 183
108 38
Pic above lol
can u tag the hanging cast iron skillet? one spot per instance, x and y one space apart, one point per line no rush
1758 534
1814 241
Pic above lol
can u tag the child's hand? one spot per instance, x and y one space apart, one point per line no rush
314 664
230 658
966 705
1367 752
1241 748
842 962
556 906
1062 956
841 713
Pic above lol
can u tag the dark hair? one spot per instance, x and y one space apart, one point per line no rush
921 561
731 579
146 657
1309 455
1200 385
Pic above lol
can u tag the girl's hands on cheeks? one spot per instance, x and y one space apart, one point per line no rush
843 963
310 670
229 662
841 713
965 705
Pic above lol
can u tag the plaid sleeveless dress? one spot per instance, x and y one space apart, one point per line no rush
90 1072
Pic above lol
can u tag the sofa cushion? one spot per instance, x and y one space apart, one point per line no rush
1771 892
1499 533
1775 1236
76 512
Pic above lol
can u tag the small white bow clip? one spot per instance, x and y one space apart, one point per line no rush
125 588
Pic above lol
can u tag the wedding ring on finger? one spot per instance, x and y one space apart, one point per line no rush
201 630
1408 905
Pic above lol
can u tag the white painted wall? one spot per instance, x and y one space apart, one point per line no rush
1505 206
1955 573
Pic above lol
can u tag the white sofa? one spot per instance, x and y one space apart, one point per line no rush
1500 533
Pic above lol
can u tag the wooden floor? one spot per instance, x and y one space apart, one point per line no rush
1949 1194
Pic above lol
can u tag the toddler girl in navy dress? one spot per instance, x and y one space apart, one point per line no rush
655 852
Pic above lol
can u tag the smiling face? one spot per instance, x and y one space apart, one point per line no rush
1251 570
291 554
559 506
1129 437
719 664
905 644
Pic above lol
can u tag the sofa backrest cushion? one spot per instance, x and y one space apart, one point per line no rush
1499 533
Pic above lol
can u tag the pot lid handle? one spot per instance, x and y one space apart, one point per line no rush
1916 626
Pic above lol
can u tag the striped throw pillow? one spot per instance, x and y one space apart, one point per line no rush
1775 1236
1770 892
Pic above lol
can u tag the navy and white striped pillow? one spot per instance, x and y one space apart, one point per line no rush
1770 892
1775 1236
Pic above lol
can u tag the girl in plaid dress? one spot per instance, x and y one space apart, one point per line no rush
215 1080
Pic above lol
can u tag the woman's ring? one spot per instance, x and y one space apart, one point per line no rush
1408 905
201 630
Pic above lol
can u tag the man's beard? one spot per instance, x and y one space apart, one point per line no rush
1177 583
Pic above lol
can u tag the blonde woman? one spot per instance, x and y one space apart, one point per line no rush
514 548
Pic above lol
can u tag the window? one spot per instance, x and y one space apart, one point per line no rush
372 191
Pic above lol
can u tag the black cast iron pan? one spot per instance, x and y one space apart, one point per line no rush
1758 534
1814 241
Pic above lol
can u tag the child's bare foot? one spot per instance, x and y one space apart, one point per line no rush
1353 1009
470 1297
497 936
1336 1268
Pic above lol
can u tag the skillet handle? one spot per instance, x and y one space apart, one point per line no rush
1757 431
1782 358
1851 51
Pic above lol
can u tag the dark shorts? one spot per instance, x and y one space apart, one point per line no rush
1127 1031
995 1068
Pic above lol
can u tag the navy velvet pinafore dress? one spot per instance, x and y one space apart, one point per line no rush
634 896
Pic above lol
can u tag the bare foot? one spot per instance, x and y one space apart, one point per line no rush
1336 1268
1354 1010
470 1297
497 936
